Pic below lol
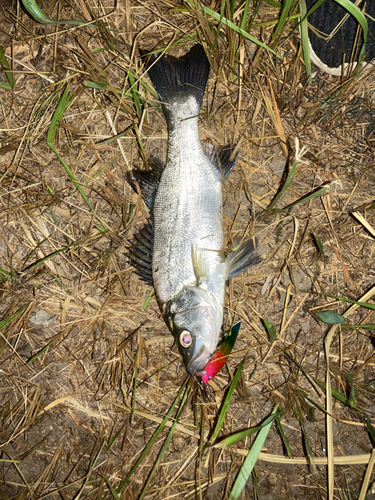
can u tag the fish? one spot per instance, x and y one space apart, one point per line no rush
180 251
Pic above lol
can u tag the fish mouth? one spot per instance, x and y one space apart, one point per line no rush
197 364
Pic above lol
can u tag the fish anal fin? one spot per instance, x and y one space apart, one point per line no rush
242 258
221 158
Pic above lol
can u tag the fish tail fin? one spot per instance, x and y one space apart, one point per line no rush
183 77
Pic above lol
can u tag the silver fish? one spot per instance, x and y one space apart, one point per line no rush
181 251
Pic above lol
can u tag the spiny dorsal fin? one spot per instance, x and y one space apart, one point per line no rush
241 259
148 180
140 253
221 158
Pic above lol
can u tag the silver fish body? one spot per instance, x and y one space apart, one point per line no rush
186 248
188 244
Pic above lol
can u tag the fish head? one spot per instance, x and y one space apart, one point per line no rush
194 318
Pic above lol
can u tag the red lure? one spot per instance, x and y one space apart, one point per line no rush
219 357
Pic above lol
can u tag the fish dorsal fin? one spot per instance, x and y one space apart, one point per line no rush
241 259
148 180
140 253
221 158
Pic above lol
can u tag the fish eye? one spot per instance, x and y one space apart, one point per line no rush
185 338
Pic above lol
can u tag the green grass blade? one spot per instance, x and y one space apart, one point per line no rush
47 257
232 5
307 375
226 22
365 327
227 399
6 274
33 251
287 183
305 435
153 439
117 136
97 51
305 39
147 87
273 23
51 135
9 74
368 305
362 21
244 15
111 441
370 429
38 15
250 460
165 444
112 489
135 94
145 304
273 3
238 436
5 321
57 116
337 395
306 396
284 439
98 85
136 362
36 356
314 194
315 6
29 452
282 19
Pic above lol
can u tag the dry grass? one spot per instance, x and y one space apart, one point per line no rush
87 373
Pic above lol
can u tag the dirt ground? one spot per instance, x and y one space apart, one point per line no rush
88 370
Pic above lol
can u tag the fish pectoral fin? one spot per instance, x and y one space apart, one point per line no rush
148 180
199 267
240 259
221 158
